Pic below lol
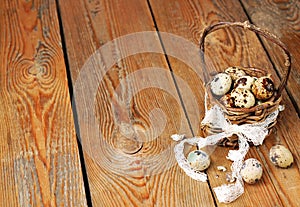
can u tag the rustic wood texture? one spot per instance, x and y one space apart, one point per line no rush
143 183
286 14
39 156
137 79
227 48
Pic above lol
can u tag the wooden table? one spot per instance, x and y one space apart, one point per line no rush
130 69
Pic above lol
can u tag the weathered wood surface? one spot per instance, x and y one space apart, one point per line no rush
144 178
129 98
38 149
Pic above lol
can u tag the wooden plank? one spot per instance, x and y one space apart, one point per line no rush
281 18
226 48
146 177
40 163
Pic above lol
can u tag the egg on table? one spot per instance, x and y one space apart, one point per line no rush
281 156
198 160
251 171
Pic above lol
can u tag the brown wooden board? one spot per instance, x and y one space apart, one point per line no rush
278 187
136 106
282 18
39 156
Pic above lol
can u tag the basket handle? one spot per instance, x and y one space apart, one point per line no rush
251 27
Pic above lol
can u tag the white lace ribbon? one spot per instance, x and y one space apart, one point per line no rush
254 133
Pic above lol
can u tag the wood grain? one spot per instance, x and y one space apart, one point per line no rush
134 164
39 156
226 48
282 18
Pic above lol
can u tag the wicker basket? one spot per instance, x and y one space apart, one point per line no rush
257 113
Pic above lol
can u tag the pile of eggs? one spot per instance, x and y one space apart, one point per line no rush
235 88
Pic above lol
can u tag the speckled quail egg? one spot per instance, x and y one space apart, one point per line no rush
244 82
263 88
281 156
227 100
235 72
199 160
221 84
243 98
251 171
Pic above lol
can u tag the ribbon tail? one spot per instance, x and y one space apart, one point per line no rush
229 193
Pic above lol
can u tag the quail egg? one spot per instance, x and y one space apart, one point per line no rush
227 100
199 160
244 82
281 156
243 98
263 88
235 72
251 171
221 84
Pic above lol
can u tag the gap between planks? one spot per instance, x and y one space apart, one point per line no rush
70 87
